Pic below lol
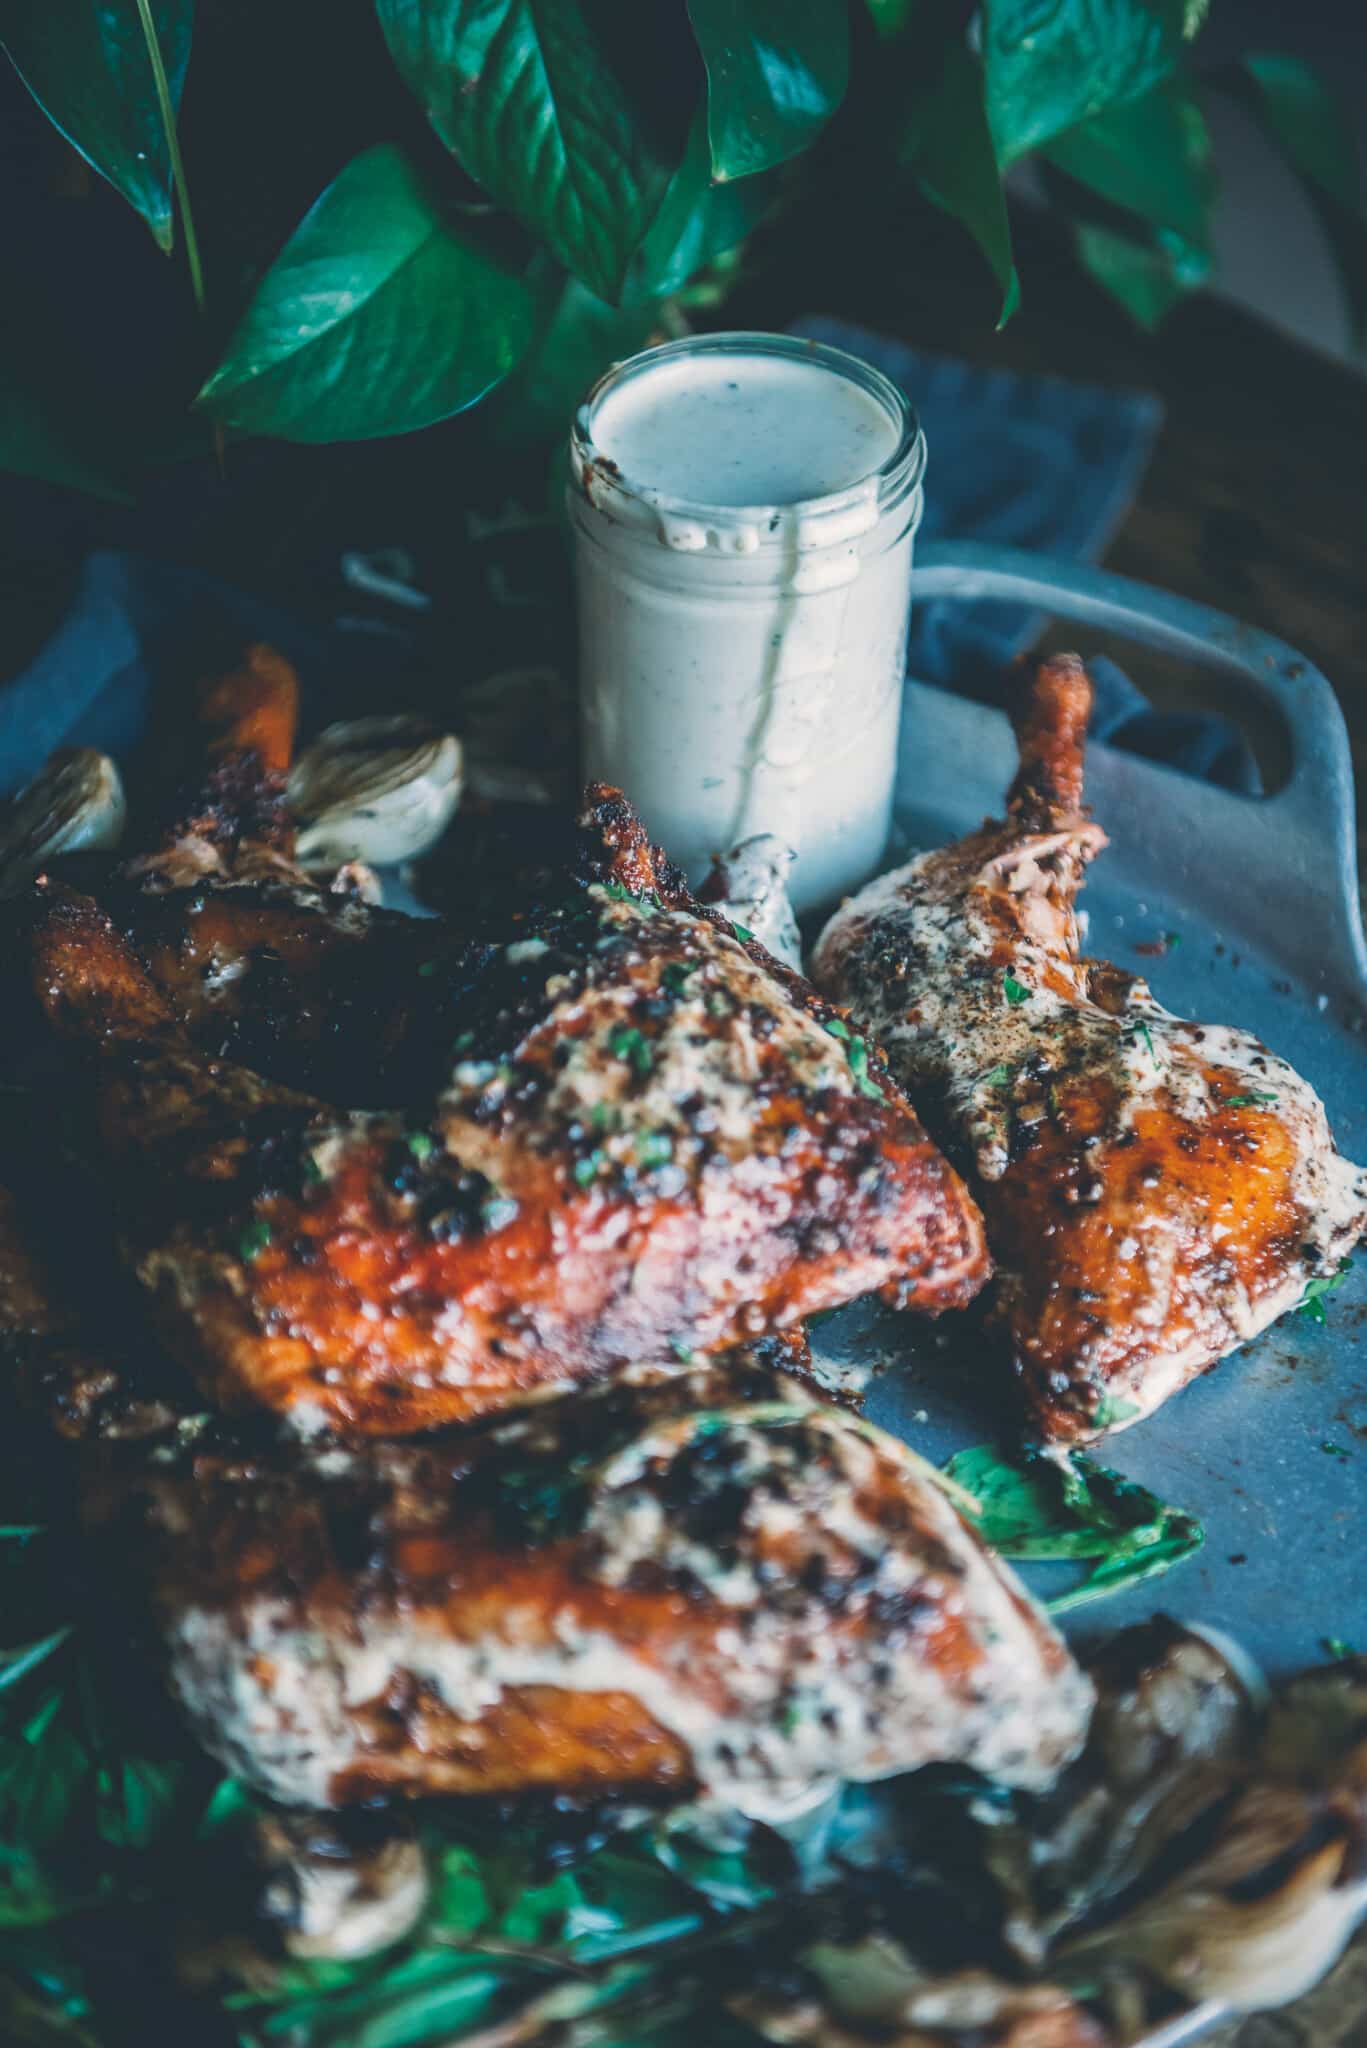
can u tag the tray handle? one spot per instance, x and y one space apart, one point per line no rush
1299 844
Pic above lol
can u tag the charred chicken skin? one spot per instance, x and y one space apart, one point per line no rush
1156 1191
711 1583
644 1140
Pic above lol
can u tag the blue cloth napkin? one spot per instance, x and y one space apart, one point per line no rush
1030 461
1041 463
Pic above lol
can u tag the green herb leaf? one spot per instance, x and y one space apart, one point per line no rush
1335 1647
1109 1412
533 98
775 75
837 1027
89 69
627 1042
1334 1450
254 1238
1254 1100
654 1148
1311 1303
1053 63
586 1169
995 1077
421 1144
1015 991
1036 1509
377 317
675 977
743 933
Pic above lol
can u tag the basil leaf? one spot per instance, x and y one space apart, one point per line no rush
948 146
1037 1509
1053 63
1148 278
88 67
377 317
1151 155
1312 127
533 103
775 75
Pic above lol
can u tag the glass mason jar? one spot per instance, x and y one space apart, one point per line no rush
744 508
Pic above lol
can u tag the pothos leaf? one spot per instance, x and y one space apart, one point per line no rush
378 316
1147 277
1311 126
1151 155
87 65
775 75
532 101
948 145
1039 1508
697 221
1053 63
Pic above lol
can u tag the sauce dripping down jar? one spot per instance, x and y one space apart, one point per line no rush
744 508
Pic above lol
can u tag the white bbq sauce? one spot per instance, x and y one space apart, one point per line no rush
743 614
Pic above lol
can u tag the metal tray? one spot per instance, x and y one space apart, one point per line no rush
1269 1449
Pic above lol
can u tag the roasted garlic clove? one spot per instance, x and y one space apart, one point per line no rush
76 805
378 790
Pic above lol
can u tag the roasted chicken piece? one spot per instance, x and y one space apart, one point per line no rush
650 1141
1156 1192
713 1583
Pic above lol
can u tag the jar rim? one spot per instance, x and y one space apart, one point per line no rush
901 470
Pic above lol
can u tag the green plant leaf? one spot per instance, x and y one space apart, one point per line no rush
1034 1508
697 221
1053 63
86 64
947 144
578 337
775 74
1312 128
529 98
1151 155
1148 278
377 317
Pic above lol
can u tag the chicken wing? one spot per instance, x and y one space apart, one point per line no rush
650 1141
714 1583
1156 1192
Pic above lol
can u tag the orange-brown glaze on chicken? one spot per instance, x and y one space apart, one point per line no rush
1156 1192
646 1143
714 1582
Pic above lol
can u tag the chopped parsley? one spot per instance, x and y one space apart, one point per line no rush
628 1043
497 1211
426 968
1109 1411
789 1715
654 1148
254 1238
1171 939
1015 991
1335 1647
1334 1450
586 1169
857 1054
675 977
1142 1032
683 1351
310 1168
1253 1100
996 1077
421 1144
1311 1303
743 933
605 1116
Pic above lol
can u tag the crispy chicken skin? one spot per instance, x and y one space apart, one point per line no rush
1156 1192
645 1144
711 1583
